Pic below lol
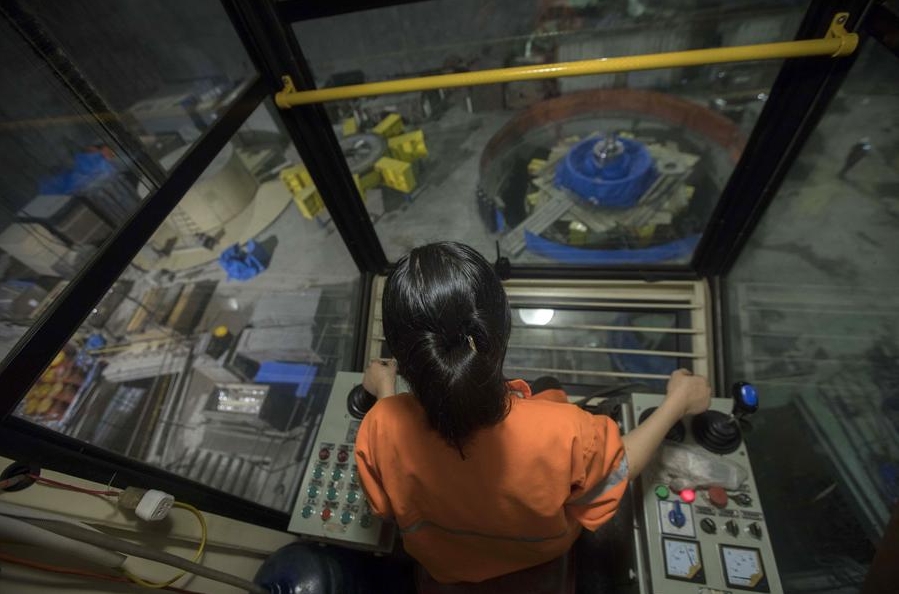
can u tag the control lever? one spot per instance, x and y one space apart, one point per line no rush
721 433
746 401
359 401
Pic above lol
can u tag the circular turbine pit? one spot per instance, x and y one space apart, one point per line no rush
606 177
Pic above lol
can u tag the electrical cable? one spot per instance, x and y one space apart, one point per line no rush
78 572
203 534
110 542
11 481
60 485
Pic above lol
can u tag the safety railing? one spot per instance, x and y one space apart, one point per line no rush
836 43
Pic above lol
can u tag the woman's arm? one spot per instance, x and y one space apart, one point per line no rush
687 394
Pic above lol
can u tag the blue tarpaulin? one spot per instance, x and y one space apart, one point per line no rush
244 263
87 168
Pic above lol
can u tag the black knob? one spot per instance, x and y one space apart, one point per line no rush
708 526
716 432
755 530
359 401
742 499
732 528
746 399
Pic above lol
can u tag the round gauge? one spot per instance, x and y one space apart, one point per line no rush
682 559
742 566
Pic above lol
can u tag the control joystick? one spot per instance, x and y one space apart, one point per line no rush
720 433
676 433
359 401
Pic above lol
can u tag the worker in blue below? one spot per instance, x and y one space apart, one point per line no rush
483 476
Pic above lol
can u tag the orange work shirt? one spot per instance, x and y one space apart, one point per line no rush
518 499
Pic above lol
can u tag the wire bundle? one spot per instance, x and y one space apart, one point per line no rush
127 576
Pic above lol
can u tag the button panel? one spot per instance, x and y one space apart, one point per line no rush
331 505
708 540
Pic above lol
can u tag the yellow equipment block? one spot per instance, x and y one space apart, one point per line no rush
409 146
296 177
390 126
396 174
309 201
305 195
577 233
367 181
349 127
536 166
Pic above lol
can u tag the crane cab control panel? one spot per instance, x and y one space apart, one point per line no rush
331 505
707 540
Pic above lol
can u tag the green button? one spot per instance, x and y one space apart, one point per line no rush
318 472
365 521
346 517
307 511
332 494
336 475
352 496
312 491
662 492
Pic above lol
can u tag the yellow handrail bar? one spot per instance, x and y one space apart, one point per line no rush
836 43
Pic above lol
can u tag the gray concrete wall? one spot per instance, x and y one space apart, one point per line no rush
415 37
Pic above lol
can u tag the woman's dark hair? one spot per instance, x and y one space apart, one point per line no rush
447 321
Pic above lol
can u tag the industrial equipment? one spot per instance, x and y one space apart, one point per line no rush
704 538
632 183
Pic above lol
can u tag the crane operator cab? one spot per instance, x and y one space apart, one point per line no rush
692 522
199 229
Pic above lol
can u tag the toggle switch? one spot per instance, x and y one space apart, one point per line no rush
676 516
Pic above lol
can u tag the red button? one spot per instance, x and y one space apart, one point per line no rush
718 497
324 454
342 456
688 495
326 514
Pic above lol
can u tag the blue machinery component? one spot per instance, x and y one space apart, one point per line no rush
679 249
244 264
607 171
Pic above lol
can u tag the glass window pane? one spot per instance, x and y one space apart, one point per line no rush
167 69
584 347
812 313
66 187
612 169
213 354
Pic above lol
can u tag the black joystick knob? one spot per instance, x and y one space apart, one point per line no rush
359 401
720 433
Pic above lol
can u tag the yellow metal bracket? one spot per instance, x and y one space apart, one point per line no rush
837 30
836 43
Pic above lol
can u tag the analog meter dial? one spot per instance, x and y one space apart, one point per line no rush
743 568
683 560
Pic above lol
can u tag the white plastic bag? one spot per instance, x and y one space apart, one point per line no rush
691 467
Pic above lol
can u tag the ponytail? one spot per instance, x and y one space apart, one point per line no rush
447 322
